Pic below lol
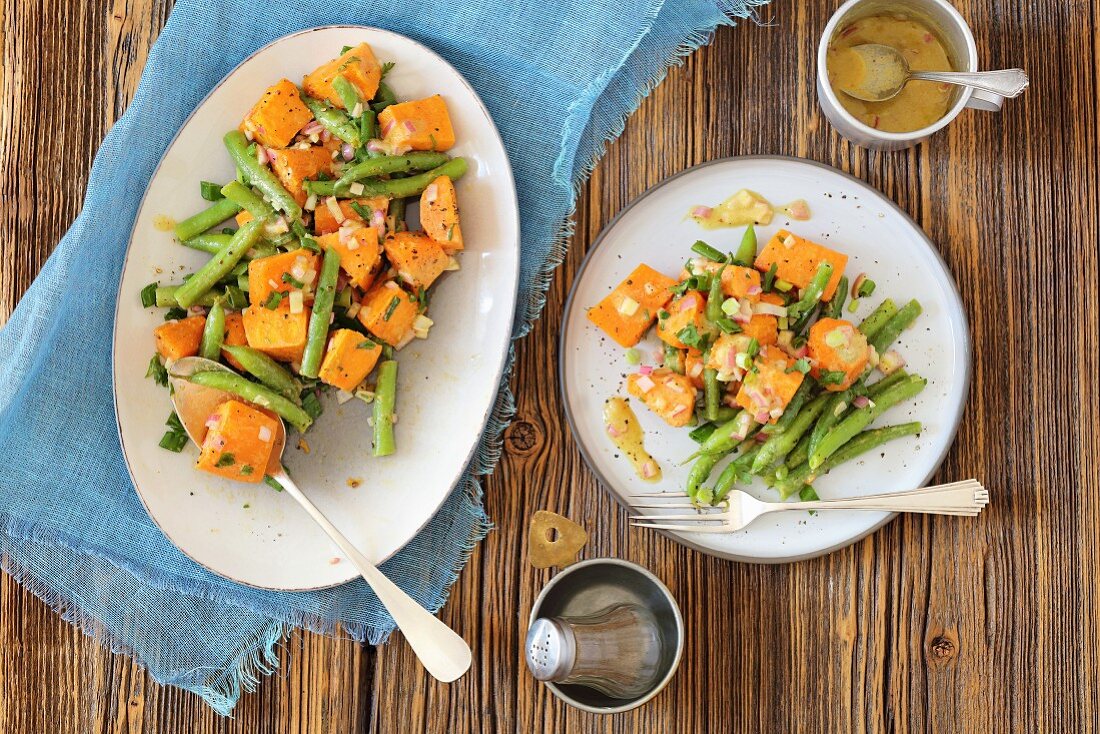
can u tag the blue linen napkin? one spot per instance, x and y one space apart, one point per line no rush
559 79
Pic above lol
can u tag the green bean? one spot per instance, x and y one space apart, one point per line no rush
260 176
801 395
263 396
877 388
335 121
346 91
860 444
878 318
209 243
728 435
733 473
780 444
385 396
213 334
860 418
247 199
395 217
800 453
714 298
267 370
811 294
207 219
834 409
700 472
384 97
218 266
898 323
674 359
746 252
368 127
396 188
700 433
712 393
710 253
726 413
836 303
166 297
317 334
373 167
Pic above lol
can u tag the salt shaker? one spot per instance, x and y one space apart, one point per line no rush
605 636
617 650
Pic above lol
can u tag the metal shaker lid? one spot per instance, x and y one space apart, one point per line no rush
551 649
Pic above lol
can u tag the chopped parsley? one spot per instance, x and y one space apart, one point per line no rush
235 298
831 377
727 325
274 300
270 481
311 404
391 308
175 438
246 471
210 191
291 280
226 459
422 299
802 365
157 372
769 277
451 232
690 336
149 296
361 211
386 67
174 313
366 344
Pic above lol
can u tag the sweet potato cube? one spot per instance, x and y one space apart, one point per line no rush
418 259
796 261
360 254
737 281
388 312
265 274
684 311
358 65
666 393
349 358
277 332
764 327
294 165
277 117
238 443
179 339
626 313
234 337
421 124
837 346
324 221
439 214
766 391
693 367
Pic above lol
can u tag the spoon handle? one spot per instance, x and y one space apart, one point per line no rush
441 650
1006 82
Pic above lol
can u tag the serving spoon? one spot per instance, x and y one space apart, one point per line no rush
886 72
441 650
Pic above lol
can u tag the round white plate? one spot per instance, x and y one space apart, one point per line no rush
848 215
446 384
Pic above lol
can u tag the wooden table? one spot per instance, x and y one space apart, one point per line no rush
941 624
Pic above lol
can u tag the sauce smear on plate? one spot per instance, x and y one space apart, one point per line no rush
626 433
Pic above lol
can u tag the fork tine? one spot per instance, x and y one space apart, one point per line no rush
711 517
686 528
646 495
671 506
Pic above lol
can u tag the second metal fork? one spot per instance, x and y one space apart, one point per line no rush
965 498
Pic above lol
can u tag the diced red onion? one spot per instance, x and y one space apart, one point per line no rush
212 421
313 128
325 136
649 470
861 401
409 126
387 128
375 146
857 283
612 431
701 211
261 154
645 369
347 152
754 290
645 384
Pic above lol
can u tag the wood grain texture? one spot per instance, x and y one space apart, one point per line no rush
928 625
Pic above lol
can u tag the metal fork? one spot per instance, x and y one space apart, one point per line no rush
966 498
